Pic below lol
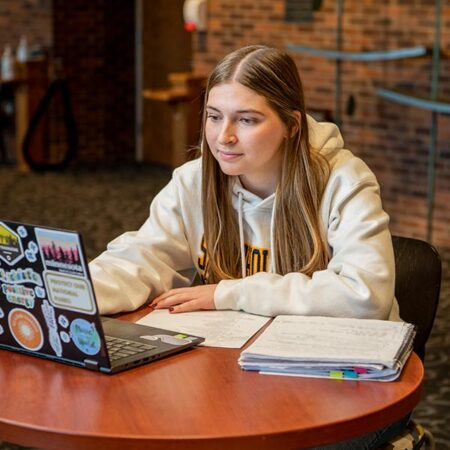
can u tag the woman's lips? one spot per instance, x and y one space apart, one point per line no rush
228 156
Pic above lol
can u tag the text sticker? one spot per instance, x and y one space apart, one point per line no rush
68 292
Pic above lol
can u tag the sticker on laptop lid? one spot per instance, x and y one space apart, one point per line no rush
31 257
63 321
85 336
64 336
69 292
19 295
60 251
22 231
25 329
50 320
11 249
18 276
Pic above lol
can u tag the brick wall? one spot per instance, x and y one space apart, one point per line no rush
94 41
32 18
393 139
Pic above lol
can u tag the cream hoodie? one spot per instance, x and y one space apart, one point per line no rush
167 251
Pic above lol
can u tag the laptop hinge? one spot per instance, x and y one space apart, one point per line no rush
93 365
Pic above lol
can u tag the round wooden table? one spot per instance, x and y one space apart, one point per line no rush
199 399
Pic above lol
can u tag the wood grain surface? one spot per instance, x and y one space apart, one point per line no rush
199 399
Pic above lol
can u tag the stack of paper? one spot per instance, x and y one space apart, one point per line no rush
230 329
326 347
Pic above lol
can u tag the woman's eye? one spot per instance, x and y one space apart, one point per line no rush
247 120
213 117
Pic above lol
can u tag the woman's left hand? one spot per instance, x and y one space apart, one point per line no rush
186 299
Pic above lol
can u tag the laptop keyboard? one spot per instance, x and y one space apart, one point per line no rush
121 348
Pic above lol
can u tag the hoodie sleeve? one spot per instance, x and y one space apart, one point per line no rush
140 265
359 279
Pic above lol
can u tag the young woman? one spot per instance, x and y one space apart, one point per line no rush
276 216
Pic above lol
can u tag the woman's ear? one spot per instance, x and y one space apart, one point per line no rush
296 127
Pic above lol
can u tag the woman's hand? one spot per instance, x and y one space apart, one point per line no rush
186 299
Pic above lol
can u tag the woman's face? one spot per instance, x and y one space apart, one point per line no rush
245 136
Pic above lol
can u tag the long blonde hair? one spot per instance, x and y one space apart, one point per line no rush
298 237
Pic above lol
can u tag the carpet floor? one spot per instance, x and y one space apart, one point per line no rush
103 203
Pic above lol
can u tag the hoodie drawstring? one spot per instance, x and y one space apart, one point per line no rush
272 237
241 236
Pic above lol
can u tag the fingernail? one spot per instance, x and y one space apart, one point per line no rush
171 309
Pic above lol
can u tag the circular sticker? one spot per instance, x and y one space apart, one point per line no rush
85 336
25 329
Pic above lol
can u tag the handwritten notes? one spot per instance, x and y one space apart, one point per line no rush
331 347
231 329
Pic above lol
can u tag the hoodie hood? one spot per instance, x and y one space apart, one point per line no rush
324 137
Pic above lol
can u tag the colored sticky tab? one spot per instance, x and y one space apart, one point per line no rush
360 369
181 336
350 374
336 374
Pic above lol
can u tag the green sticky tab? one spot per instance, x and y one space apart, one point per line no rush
336 374
181 336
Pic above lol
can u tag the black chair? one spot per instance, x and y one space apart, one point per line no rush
417 287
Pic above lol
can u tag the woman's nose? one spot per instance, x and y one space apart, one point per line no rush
227 134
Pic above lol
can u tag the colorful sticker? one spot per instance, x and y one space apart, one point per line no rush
60 251
50 320
63 321
85 336
22 231
64 336
69 292
17 276
2 314
19 295
1 330
25 329
11 249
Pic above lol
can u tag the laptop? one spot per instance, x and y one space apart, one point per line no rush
48 306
